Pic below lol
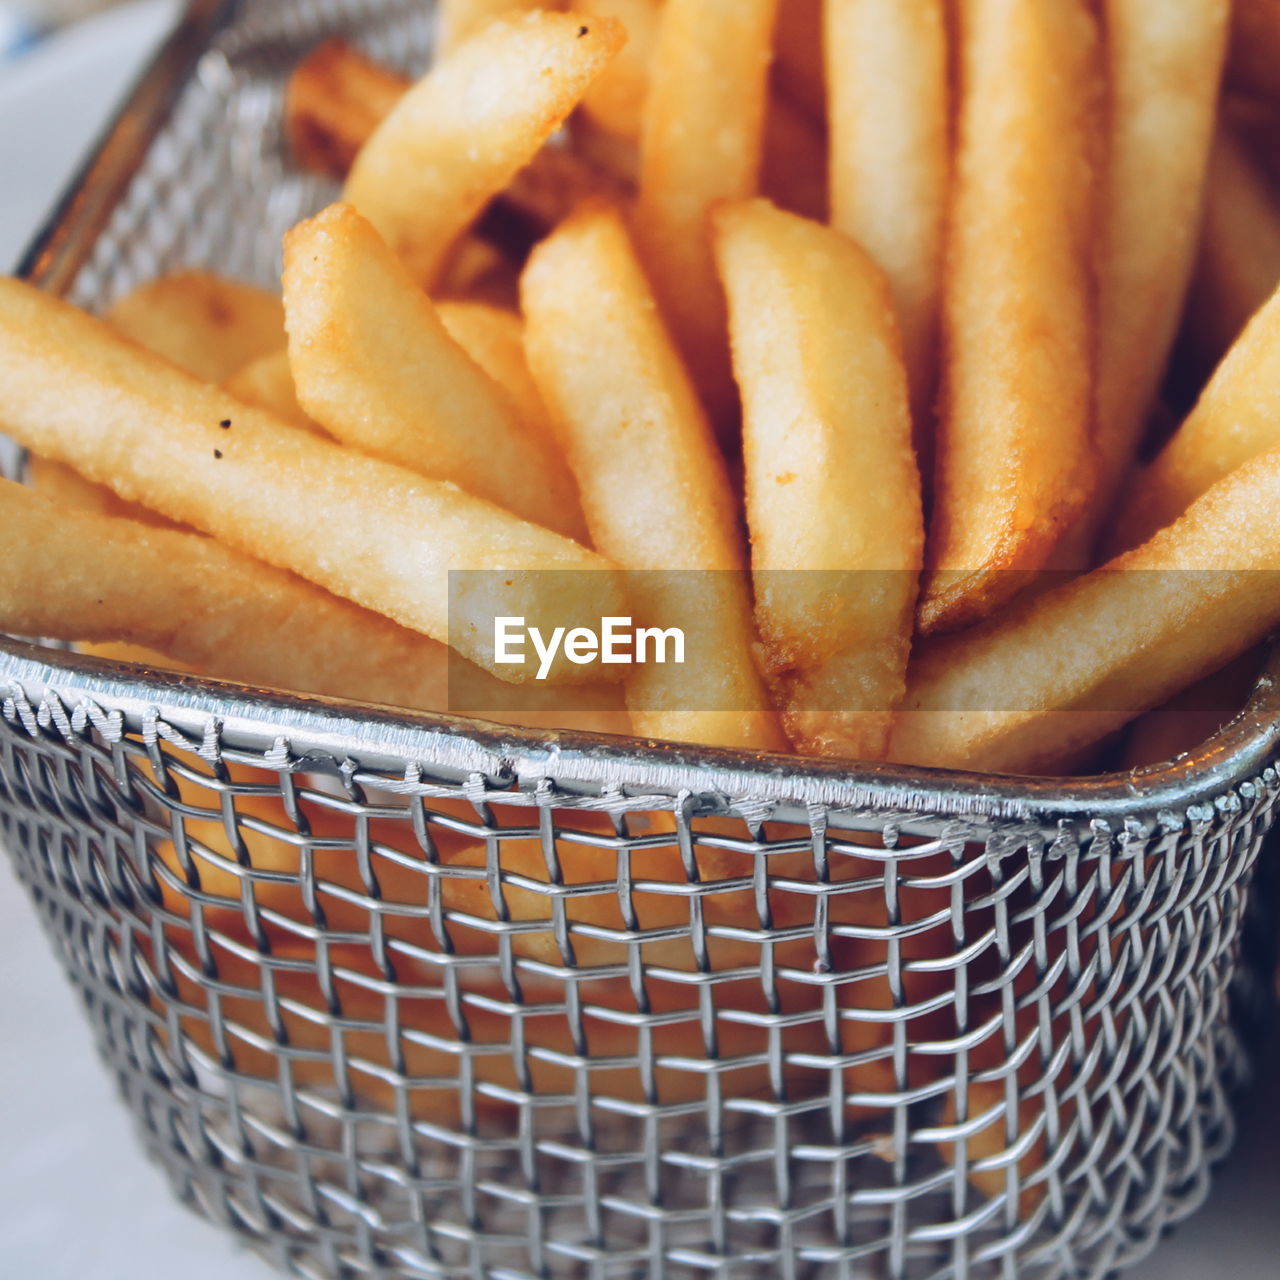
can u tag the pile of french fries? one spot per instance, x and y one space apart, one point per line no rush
834 333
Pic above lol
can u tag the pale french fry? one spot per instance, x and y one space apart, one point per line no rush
800 69
616 100
1237 418
494 339
889 123
793 171
74 575
1239 264
459 136
653 485
458 20
1165 65
76 392
69 489
835 559
203 323
267 383
1059 672
702 143
1015 463
1254 64
376 367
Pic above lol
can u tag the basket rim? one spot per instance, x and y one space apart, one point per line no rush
1242 750
319 733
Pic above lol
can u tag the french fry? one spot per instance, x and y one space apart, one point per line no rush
479 271
337 97
591 919
1254 64
632 426
494 339
1257 123
267 383
1190 718
459 136
889 122
74 575
458 20
76 392
616 100
793 171
1239 263
334 99
1015 463
835 560
70 490
800 69
376 367
71 574
1061 671
206 324
606 153
702 143
1237 418
1165 64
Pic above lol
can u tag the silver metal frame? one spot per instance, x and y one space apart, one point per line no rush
406 996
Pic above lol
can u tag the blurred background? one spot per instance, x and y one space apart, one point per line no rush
22 22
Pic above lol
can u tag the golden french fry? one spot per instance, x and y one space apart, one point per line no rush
75 575
702 143
203 323
1237 418
606 153
459 136
1015 463
479 271
616 100
1239 264
1257 123
654 487
76 392
800 69
494 339
376 367
267 383
835 559
337 97
1193 716
889 122
458 20
334 99
1254 64
1165 64
1059 672
793 172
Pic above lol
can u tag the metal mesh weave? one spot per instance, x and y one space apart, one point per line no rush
411 998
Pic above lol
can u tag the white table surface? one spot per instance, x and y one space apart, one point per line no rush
77 1199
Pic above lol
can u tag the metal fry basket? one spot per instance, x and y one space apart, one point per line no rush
399 996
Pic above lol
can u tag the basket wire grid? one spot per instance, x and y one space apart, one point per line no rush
405 996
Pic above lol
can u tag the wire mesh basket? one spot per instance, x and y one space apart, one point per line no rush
407 996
